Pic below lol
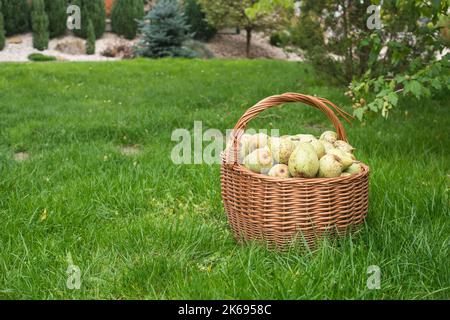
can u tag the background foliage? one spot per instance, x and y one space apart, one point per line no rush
125 15
2 29
196 19
93 10
39 23
164 31
17 16
57 17
380 63
250 15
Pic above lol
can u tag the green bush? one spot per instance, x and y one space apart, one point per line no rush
125 15
2 29
39 22
195 17
163 32
90 43
95 11
16 14
57 17
39 57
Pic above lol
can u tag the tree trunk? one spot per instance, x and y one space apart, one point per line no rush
249 41
349 59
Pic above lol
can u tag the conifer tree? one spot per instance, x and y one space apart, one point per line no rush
57 17
90 42
125 15
39 23
2 29
163 32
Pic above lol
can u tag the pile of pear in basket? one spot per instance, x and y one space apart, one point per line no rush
294 188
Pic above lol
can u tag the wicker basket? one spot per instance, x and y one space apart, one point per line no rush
279 211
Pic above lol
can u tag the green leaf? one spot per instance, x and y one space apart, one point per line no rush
435 83
359 113
392 98
414 87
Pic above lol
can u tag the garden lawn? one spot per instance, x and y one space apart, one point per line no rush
140 227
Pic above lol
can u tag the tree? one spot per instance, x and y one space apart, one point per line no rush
251 15
196 19
2 29
163 32
57 17
124 17
39 23
90 42
93 10
16 14
383 61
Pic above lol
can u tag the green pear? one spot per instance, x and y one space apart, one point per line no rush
329 136
327 145
347 159
258 141
304 162
345 174
259 161
243 146
318 147
281 149
344 146
280 171
304 138
355 168
330 166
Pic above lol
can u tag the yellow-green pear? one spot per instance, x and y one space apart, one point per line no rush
329 136
345 174
330 166
327 145
304 162
281 149
304 137
318 147
259 161
355 168
243 146
344 146
347 159
280 171
258 141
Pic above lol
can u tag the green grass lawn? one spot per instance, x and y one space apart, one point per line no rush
140 227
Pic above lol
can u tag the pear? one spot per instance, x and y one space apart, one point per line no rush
318 147
303 138
355 168
344 146
280 171
327 145
345 174
259 161
330 166
258 141
281 149
243 146
347 159
329 136
304 162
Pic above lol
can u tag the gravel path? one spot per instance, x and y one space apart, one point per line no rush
19 52
222 46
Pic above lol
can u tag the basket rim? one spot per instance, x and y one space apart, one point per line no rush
295 181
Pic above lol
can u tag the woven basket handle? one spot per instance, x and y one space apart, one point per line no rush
319 103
